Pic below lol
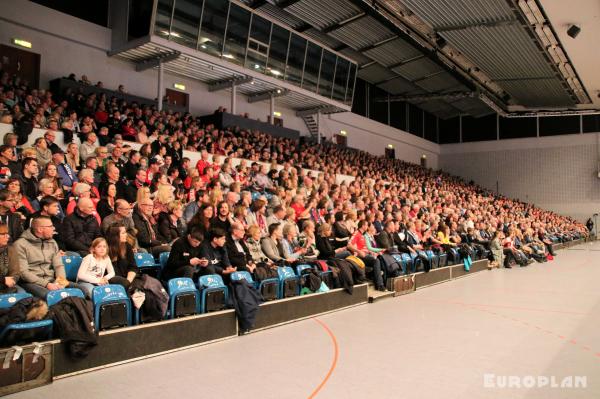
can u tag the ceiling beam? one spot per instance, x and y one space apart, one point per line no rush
406 61
486 24
453 95
228 83
338 25
323 109
266 95
153 62
257 3
375 45
287 3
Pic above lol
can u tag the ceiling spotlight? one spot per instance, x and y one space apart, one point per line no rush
573 31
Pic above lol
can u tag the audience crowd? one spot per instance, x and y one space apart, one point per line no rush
105 201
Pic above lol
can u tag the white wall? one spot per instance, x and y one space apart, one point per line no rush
70 45
372 136
559 173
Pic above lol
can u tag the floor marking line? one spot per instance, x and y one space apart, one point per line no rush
333 363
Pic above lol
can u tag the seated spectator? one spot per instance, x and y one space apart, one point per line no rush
202 218
185 258
96 267
171 225
8 166
68 176
240 214
42 153
51 174
257 216
238 252
21 203
368 256
13 220
325 245
9 267
81 227
82 190
121 255
50 207
222 220
291 249
40 264
307 240
72 156
88 147
106 205
496 248
144 222
28 177
213 249
271 244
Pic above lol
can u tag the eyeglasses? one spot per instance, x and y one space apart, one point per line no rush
46 227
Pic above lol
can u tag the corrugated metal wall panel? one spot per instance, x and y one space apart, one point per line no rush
362 33
400 86
503 52
375 73
440 83
281 16
538 93
393 52
417 69
438 13
323 14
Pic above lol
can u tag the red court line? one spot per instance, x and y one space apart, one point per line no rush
333 363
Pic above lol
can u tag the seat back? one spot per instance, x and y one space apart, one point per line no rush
184 298
288 282
237 276
163 259
26 332
71 263
213 294
54 297
301 268
143 259
8 300
112 307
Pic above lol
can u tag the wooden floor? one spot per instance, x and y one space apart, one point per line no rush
461 339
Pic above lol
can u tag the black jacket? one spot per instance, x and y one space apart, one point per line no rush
385 240
73 323
238 259
246 301
167 232
217 258
326 250
128 192
180 255
129 171
144 235
79 231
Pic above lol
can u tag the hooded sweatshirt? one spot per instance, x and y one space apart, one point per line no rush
39 260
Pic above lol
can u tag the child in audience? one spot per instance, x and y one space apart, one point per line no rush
96 268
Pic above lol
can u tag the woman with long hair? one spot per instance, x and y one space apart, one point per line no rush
106 205
51 173
202 218
121 255
22 203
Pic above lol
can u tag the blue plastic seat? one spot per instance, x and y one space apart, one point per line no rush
163 258
54 297
147 265
112 299
434 260
408 262
71 263
398 258
289 283
25 332
268 288
182 294
211 285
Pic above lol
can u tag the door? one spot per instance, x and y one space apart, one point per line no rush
341 140
24 64
179 98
